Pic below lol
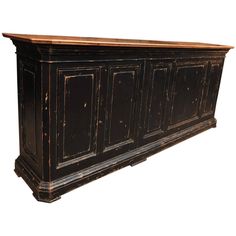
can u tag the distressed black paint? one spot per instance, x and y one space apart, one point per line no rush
98 109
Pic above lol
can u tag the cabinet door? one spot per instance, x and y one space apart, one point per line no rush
212 87
121 107
186 93
155 100
77 112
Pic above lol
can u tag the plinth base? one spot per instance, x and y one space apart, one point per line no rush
51 191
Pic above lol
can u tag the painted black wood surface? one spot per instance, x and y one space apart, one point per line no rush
86 111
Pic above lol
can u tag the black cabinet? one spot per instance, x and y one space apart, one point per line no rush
88 110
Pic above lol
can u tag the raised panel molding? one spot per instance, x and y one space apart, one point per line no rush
28 110
187 91
212 87
78 90
155 104
121 105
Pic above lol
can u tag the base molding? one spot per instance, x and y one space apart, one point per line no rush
51 191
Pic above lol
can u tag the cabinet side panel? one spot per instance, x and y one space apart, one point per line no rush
29 99
28 110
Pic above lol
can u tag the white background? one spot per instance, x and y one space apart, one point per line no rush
188 189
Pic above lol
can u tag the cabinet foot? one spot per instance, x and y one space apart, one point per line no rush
17 173
138 162
48 199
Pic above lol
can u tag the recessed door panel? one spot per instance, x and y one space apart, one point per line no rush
187 90
78 94
121 106
155 99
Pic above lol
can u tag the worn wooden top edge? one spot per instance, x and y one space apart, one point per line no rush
109 42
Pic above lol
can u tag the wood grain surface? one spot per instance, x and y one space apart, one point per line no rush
89 41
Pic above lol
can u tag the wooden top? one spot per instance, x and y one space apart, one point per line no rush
88 41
